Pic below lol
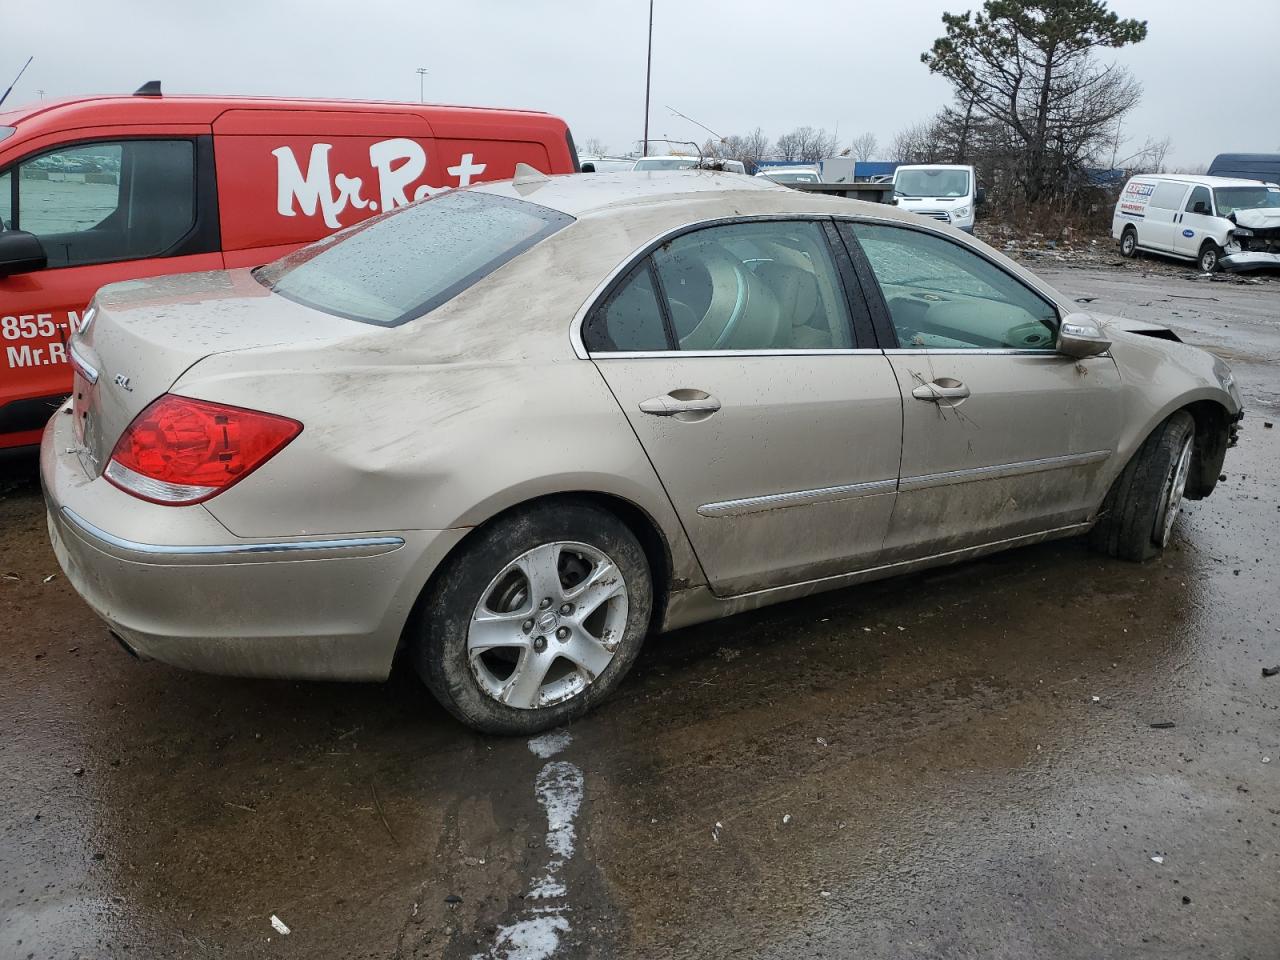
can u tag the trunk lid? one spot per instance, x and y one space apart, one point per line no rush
143 335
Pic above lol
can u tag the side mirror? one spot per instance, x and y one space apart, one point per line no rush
980 196
1080 337
1200 207
20 252
587 167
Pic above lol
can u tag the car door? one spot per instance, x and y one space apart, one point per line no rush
1158 227
1002 436
104 210
774 430
1195 223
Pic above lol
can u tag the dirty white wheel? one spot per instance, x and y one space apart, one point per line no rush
1210 254
1129 243
547 625
535 619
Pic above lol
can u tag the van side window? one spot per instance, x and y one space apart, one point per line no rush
1168 195
102 202
1199 195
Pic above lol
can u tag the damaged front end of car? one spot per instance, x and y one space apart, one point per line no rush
1255 242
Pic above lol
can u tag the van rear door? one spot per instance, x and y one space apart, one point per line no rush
290 177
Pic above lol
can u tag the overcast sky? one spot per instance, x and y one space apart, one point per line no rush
1209 70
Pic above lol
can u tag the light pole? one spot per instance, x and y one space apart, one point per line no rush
422 76
648 71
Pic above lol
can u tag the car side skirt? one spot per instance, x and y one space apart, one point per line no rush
698 605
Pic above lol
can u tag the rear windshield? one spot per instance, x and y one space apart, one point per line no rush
396 267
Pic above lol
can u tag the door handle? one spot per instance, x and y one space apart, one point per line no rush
946 389
669 406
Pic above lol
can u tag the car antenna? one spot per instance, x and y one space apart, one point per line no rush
16 79
149 89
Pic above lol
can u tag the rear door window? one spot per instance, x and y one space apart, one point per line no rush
103 202
404 264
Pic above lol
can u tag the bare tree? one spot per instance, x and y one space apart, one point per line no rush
1029 67
806 145
864 146
595 147
919 143
750 149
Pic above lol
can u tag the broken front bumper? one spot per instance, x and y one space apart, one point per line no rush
1244 261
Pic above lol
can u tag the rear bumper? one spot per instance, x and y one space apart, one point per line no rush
176 586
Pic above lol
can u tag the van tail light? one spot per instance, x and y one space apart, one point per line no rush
180 451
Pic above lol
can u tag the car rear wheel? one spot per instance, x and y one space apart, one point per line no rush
1136 521
1210 254
536 620
1129 242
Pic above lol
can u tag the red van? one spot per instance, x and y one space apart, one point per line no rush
105 189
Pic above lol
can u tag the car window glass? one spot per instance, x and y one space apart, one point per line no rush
6 200
100 202
764 285
943 296
630 319
1168 195
1199 195
405 263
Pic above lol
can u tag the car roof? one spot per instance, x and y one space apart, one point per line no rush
1199 180
205 109
694 194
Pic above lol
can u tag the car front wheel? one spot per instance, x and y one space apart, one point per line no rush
1210 254
536 620
1136 519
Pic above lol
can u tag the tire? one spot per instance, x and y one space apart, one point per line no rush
489 586
1209 258
1129 243
1136 518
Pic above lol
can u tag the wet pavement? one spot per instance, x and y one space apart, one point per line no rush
956 764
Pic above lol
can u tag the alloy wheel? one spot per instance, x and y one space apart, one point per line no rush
1174 488
547 625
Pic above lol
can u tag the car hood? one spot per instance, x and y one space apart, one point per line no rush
1264 218
1140 327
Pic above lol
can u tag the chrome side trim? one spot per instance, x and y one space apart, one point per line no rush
1046 352
795 498
87 370
229 549
684 354
1002 470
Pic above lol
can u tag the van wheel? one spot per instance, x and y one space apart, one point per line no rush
1136 519
1210 254
536 620
1129 242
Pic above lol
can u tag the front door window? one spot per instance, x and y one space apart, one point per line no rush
942 296
104 202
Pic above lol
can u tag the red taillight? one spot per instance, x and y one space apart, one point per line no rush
180 451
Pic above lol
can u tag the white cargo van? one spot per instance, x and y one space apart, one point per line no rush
944 191
1186 216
